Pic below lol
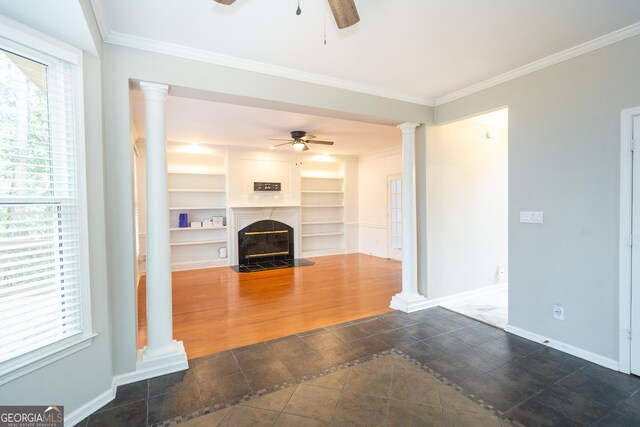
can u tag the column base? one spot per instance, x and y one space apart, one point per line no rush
169 359
410 303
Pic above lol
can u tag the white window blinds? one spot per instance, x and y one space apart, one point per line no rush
40 301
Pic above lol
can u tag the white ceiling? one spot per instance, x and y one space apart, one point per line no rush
418 50
206 122
409 49
62 19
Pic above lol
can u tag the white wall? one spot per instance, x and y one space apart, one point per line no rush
247 166
564 160
466 207
373 174
352 205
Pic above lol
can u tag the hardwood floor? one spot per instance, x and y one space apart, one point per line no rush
218 309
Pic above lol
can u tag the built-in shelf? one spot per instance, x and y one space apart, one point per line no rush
336 233
197 228
204 242
194 190
322 222
198 187
192 208
323 203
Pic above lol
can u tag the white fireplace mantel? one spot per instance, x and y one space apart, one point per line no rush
240 217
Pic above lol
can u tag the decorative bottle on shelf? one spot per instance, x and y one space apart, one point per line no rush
183 221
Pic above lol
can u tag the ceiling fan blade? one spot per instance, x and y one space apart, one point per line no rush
344 12
279 139
284 143
320 142
227 2
309 137
305 148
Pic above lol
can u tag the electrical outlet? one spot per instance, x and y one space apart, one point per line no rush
558 312
531 217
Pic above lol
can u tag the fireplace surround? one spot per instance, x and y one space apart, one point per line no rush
265 241
266 238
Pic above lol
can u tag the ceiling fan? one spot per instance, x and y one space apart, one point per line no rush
344 11
299 140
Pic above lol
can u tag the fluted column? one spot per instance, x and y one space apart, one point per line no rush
161 347
409 299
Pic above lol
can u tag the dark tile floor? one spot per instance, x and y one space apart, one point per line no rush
389 389
524 381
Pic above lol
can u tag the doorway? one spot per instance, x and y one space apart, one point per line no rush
467 204
629 252
394 217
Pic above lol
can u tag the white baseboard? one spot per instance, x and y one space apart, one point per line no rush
324 252
408 305
199 265
455 298
375 254
90 407
566 348
558 345
144 373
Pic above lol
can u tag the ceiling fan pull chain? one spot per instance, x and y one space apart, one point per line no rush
298 10
324 23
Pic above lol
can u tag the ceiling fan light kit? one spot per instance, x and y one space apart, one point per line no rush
299 140
344 11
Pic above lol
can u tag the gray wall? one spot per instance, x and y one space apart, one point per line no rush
564 138
204 81
76 379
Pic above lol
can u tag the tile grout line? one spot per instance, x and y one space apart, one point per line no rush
286 403
146 420
393 371
242 371
544 389
344 385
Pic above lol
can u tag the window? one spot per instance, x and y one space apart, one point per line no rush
43 267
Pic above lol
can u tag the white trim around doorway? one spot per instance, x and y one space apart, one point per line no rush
624 277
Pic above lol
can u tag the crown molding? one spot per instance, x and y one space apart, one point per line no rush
202 55
100 13
556 58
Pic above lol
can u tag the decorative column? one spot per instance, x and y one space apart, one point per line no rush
409 299
162 354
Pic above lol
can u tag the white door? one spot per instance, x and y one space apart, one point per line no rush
394 220
635 251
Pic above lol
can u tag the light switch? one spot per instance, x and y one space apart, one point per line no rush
531 217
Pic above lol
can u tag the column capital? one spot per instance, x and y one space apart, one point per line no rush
149 88
408 127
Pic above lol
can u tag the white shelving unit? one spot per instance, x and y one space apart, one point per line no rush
323 230
200 195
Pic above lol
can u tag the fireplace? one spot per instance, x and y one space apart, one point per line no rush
265 241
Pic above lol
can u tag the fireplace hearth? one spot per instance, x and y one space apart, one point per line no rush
266 245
